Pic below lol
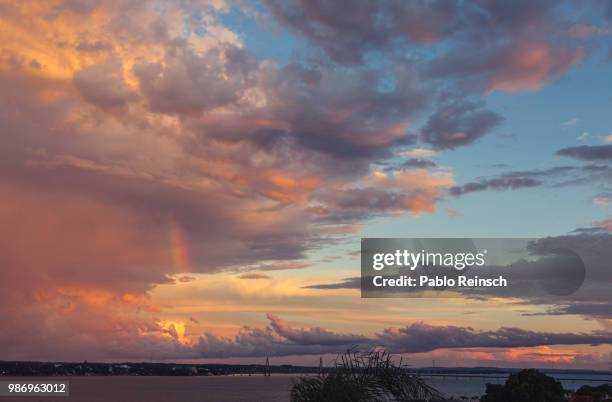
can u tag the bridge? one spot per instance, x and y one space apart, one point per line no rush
496 377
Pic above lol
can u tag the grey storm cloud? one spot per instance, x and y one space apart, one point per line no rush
588 152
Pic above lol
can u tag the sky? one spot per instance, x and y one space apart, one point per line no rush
190 180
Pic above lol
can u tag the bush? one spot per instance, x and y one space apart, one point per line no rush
364 377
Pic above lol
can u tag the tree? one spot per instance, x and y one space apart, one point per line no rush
598 393
526 386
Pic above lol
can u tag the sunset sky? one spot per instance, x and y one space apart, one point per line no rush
190 180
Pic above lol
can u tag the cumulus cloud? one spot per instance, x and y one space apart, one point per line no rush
103 85
187 82
342 116
129 123
458 124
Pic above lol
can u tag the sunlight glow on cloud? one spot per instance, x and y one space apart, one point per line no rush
145 146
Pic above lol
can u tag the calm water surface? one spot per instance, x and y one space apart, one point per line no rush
227 388
163 389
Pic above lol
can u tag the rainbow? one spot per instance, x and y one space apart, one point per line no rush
179 248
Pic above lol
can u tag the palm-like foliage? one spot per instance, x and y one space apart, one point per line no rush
364 377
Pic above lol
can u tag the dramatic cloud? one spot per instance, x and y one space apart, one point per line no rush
123 120
494 46
347 31
280 339
422 337
311 336
142 144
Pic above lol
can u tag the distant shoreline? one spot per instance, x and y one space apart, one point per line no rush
52 369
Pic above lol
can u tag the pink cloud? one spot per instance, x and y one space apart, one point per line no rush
528 66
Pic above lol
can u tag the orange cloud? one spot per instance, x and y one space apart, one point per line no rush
134 149
538 356
528 66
